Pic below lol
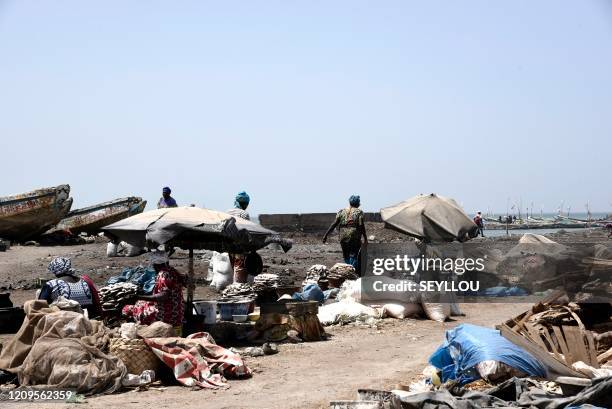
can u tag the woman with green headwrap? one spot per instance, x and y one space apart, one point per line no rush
351 226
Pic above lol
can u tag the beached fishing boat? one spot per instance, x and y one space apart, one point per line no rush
92 218
27 215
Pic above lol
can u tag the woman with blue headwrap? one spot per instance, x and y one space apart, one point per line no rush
241 202
166 200
351 226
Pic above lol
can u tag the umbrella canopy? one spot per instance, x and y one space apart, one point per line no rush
431 218
193 227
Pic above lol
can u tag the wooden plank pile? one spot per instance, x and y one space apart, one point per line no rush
553 331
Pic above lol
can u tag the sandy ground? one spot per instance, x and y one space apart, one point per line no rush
309 375
306 375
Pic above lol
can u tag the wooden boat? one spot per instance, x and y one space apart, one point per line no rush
92 218
27 215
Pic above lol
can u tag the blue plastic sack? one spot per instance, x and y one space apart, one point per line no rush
310 292
143 277
467 345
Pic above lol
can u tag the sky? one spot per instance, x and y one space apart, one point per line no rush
302 104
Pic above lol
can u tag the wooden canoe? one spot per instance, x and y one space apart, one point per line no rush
28 215
92 218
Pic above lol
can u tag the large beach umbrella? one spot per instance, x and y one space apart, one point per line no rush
430 218
194 228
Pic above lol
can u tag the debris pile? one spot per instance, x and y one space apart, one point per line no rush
564 335
478 368
515 392
598 285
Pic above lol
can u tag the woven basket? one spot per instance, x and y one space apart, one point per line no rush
135 354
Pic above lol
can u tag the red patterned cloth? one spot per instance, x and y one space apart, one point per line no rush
143 312
198 361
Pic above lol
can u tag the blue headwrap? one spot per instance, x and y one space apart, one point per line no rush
166 190
241 198
355 200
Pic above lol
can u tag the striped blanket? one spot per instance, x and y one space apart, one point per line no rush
198 361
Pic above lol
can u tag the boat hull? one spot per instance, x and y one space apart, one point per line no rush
26 216
91 219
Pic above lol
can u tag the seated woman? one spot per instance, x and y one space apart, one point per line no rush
70 285
166 303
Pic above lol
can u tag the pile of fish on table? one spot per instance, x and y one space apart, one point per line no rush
115 296
269 281
238 292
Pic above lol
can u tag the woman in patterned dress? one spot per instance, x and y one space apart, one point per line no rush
351 225
68 284
166 303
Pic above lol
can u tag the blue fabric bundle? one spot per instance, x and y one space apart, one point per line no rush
143 277
467 345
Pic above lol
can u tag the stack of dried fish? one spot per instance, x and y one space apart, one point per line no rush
269 281
238 291
314 274
115 296
265 281
342 271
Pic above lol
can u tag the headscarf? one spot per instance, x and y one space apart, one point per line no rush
158 257
355 200
242 198
166 189
60 266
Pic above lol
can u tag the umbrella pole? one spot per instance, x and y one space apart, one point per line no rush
190 286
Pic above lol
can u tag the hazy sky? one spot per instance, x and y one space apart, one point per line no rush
304 103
